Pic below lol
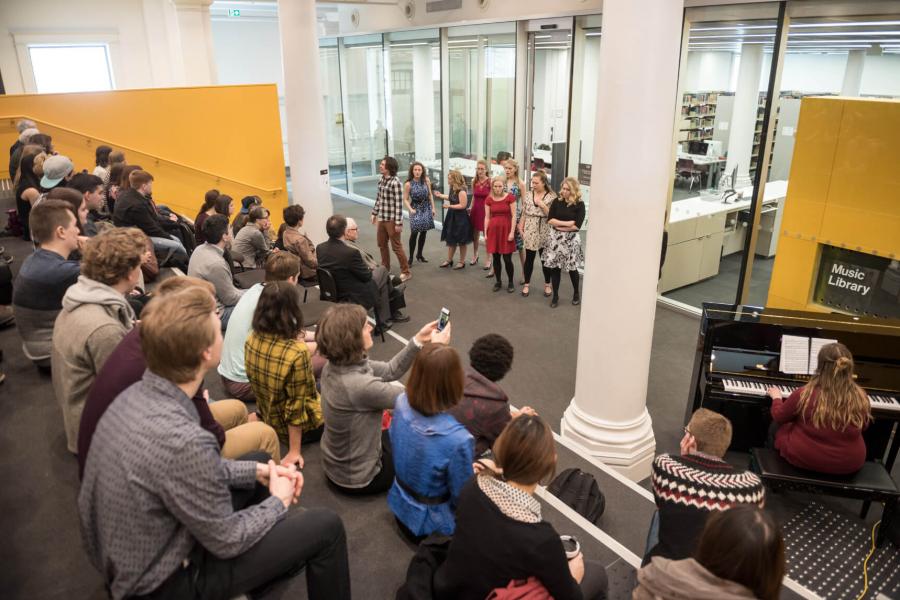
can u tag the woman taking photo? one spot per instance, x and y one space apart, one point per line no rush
457 230
432 450
821 424
500 535
740 556
500 225
356 453
419 202
481 189
280 370
563 251
515 187
533 226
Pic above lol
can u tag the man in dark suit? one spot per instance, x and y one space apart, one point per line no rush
356 281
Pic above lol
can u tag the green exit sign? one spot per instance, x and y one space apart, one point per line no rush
234 12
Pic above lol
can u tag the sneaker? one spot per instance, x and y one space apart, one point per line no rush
399 317
405 277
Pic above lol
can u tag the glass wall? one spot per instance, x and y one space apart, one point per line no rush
585 69
330 73
414 100
365 124
722 87
482 86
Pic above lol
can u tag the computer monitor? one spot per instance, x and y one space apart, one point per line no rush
697 147
714 148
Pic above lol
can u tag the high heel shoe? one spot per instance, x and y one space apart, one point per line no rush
474 261
459 265
421 259
497 286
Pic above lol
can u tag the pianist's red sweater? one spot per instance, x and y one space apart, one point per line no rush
812 448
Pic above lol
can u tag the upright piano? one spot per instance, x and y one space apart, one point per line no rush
737 359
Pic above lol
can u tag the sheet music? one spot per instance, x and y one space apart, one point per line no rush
815 344
794 357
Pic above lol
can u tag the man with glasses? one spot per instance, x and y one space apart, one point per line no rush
688 487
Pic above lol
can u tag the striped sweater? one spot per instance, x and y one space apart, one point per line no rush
687 488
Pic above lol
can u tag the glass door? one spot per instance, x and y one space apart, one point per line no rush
547 96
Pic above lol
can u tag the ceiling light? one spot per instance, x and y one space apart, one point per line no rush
542 37
844 33
848 24
462 41
733 28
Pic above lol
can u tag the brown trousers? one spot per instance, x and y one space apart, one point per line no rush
241 436
387 232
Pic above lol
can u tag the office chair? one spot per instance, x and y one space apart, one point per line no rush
328 290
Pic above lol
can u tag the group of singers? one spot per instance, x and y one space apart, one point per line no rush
537 223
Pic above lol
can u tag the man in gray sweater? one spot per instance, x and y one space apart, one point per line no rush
208 263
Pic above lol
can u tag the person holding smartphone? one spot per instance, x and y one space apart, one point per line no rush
500 536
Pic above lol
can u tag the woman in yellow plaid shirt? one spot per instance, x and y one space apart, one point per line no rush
280 371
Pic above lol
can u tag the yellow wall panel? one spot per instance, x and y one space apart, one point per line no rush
190 139
791 277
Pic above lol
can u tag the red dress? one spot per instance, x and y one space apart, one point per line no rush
480 192
811 448
500 225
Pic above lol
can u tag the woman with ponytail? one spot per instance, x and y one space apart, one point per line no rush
821 423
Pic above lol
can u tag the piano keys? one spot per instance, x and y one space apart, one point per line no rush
737 360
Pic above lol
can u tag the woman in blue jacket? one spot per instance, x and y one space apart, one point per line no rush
433 452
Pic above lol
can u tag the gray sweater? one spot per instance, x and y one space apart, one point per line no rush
353 398
208 263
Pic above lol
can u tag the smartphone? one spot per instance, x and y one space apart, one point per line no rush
443 319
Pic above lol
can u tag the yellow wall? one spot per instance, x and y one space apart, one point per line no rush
844 191
190 139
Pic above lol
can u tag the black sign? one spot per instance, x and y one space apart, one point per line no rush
858 283
584 174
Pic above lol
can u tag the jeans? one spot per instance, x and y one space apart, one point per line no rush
225 316
652 535
170 245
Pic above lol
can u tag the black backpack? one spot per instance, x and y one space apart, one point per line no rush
580 491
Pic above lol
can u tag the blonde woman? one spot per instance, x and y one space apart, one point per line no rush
563 251
481 189
533 228
821 423
457 229
515 187
500 227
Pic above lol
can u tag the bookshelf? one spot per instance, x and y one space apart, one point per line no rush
698 116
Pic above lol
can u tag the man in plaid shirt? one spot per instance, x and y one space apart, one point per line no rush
387 216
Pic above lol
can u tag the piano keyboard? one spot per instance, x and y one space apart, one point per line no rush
756 388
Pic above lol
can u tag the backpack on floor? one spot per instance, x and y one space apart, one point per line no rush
579 490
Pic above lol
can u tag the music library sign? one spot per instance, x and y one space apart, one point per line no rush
857 282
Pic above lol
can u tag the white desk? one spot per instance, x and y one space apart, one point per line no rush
466 166
702 231
713 163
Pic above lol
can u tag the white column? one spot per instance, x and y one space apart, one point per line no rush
743 116
307 139
856 60
195 37
423 103
608 415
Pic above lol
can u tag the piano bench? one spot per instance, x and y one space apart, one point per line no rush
871 483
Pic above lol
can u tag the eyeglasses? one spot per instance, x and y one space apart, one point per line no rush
688 431
353 229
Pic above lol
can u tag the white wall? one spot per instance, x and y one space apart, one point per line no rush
881 75
248 50
551 95
813 72
708 72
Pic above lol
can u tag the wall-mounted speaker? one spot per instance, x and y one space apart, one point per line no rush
409 9
354 18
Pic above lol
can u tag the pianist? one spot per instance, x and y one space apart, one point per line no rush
689 487
820 425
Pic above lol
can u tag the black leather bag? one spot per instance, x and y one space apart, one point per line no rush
580 491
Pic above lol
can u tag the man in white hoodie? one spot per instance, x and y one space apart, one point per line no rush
95 317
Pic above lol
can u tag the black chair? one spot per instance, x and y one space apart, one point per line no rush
328 289
871 482
306 285
246 279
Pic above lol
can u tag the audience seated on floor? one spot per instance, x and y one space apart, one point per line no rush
163 515
208 263
690 487
247 202
95 316
57 169
820 425
356 453
25 128
500 535
91 189
252 242
357 280
75 200
214 203
740 556
280 266
294 239
279 367
484 408
432 451
45 276
227 420
135 208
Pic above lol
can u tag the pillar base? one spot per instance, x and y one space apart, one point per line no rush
628 447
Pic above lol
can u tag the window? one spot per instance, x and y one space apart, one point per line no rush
71 68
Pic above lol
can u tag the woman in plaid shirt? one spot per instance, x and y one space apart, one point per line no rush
280 371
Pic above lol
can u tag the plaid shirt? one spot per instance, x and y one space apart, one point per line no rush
281 375
389 200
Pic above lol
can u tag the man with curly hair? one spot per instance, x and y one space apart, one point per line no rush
95 317
484 408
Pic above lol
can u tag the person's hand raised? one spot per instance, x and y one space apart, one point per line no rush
424 335
442 337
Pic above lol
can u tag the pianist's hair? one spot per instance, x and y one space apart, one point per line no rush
840 403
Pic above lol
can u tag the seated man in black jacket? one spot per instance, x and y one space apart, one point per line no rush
134 209
357 282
